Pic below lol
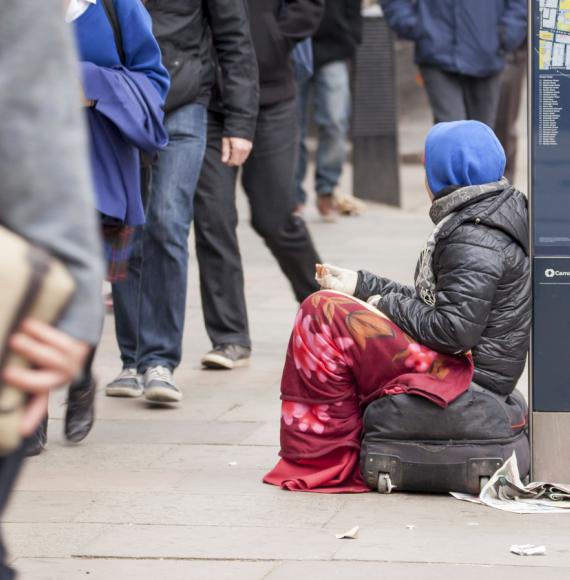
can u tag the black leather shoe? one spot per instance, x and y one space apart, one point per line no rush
38 440
80 414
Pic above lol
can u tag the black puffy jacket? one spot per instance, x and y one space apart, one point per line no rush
483 290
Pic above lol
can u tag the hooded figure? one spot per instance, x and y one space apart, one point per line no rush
472 286
466 319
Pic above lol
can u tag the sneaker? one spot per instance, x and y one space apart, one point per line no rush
159 386
228 356
127 384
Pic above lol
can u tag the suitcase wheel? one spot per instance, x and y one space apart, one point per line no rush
384 483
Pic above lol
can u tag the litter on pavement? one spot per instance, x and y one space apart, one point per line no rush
528 550
349 535
505 491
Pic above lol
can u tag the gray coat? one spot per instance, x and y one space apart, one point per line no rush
45 186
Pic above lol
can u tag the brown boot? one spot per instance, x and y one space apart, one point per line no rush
327 207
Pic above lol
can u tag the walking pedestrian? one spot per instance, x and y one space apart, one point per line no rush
199 39
46 197
334 45
512 88
460 50
267 179
124 86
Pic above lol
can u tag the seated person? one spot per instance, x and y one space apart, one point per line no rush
467 318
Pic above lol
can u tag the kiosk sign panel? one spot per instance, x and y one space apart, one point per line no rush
550 217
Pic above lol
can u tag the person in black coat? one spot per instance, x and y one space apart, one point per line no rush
200 40
472 287
267 179
334 45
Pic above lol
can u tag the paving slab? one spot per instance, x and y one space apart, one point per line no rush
211 542
99 569
406 571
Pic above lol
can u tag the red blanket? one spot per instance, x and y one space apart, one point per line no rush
342 355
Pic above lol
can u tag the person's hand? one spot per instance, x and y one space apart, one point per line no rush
374 300
56 359
334 278
235 151
85 102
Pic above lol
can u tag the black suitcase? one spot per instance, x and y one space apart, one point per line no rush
411 444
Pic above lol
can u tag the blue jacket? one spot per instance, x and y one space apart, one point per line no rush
469 37
127 116
126 119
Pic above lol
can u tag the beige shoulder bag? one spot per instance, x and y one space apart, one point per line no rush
32 284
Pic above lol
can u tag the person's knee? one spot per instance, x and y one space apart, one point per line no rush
269 230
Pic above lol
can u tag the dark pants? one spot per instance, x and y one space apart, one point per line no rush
268 183
455 97
509 107
9 469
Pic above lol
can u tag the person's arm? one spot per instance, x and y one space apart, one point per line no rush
467 280
369 284
513 24
46 193
142 53
354 13
228 20
402 17
301 18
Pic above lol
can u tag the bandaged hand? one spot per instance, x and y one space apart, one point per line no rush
334 278
374 300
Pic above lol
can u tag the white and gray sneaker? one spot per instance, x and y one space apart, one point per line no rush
127 384
159 386
227 356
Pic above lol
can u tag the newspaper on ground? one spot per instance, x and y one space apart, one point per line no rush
505 491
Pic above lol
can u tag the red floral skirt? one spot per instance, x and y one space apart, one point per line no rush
342 355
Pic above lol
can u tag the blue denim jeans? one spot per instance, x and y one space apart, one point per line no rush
331 84
150 304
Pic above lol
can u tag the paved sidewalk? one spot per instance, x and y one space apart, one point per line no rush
177 494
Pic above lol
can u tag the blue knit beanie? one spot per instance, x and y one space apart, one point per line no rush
462 153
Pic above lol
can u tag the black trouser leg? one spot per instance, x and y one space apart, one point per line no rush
482 98
268 183
512 87
9 469
445 94
217 248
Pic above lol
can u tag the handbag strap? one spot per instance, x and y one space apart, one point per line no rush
109 6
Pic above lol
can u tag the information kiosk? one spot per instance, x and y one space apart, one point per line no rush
549 126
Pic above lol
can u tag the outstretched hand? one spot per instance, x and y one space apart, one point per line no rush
335 278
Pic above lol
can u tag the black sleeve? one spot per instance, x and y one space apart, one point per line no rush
236 57
301 19
354 13
370 285
467 278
